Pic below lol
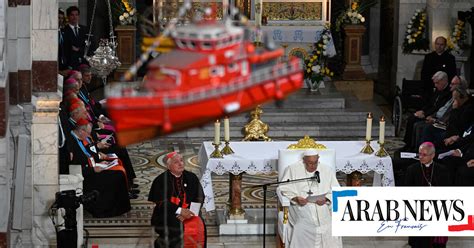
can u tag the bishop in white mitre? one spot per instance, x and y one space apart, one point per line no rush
310 210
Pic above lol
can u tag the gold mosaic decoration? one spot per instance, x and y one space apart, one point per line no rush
298 52
307 143
170 9
293 11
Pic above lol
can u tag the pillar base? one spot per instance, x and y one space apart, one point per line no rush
354 72
362 89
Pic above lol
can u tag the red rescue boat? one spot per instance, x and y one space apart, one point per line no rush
214 71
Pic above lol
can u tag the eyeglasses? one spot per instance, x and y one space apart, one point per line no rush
423 154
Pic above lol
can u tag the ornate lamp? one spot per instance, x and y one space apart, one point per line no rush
104 60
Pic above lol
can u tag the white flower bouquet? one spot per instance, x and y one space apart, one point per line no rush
415 35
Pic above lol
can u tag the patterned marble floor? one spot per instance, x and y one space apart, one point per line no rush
147 159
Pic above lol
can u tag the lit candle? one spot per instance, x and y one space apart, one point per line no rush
217 132
226 129
382 130
368 129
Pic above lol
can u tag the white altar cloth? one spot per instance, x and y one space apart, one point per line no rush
261 157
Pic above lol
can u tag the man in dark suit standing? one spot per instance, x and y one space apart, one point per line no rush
74 39
438 60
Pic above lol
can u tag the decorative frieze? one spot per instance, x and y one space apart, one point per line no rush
293 11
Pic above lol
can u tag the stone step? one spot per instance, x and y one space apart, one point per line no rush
320 102
291 129
324 115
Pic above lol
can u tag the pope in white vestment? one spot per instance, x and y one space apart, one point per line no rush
310 220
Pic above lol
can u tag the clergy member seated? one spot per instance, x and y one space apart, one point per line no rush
426 172
310 210
178 196
107 178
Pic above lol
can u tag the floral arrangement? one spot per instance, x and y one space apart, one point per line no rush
352 15
128 13
316 63
457 37
415 38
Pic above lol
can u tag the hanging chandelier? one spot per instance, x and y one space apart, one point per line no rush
104 60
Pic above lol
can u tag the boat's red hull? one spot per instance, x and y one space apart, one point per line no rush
141 118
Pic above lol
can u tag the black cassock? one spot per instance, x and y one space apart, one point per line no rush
111 184
187 189
418 175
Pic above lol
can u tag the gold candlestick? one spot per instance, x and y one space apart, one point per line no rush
216 153
381 152
227 150
367 148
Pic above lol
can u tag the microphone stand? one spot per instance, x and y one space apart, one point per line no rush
265 186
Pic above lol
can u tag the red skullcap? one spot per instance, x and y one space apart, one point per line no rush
427 143
72 72
171 154
70 81
82 122
83 66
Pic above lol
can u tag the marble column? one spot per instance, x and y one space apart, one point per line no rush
11 45
23 15
44 129
44 45
5 176
44 139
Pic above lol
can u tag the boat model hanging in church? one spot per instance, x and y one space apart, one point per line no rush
214 70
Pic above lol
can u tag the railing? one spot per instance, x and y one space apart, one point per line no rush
237 84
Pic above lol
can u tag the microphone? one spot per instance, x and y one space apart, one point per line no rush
316 176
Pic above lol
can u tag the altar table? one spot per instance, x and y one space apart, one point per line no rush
261 157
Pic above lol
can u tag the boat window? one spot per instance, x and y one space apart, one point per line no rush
232 67
227 41
180 43
207 36
191 44
193 35
217 71
206 45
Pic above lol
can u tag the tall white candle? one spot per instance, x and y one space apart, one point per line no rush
368 129
217 132
382 130
226 129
